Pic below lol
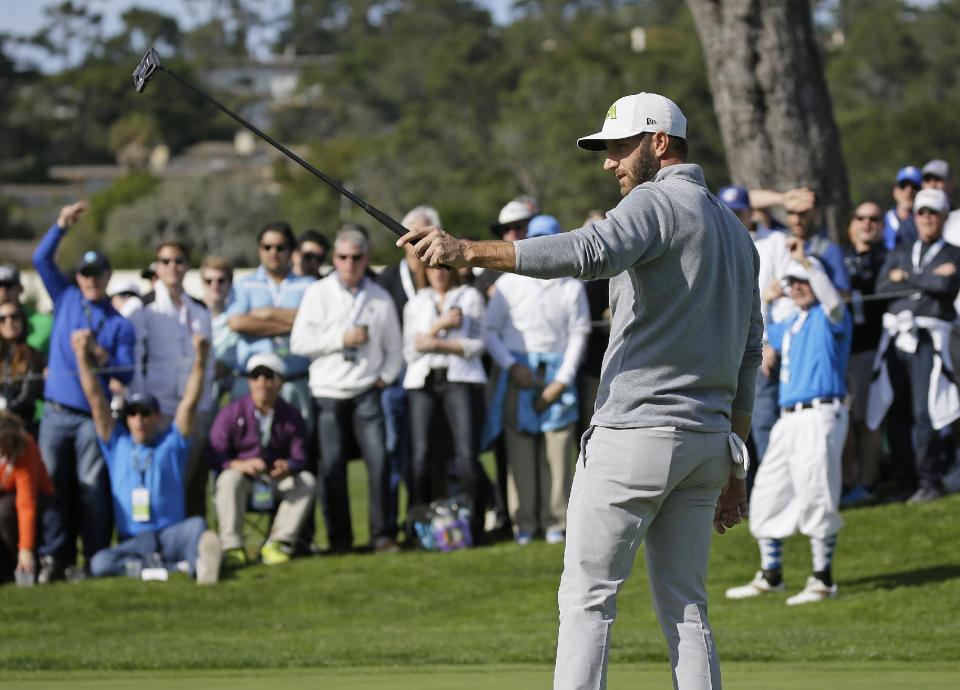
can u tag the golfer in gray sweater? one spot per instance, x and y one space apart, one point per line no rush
664 455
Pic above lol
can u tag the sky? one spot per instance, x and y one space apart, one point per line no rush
24 17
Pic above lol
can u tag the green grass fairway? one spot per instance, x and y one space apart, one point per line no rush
739 676
487 618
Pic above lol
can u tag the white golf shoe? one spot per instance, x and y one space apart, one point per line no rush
814 591
757 586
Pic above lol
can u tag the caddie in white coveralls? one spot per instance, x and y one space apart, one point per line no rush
798 483
664 456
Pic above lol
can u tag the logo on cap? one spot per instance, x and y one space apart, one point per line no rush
90 257
651 121
612 113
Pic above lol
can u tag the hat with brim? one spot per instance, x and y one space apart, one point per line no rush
938 168
543 225
514 212
636 114
267 360
144 400
933 199
9 274
93 263
797 271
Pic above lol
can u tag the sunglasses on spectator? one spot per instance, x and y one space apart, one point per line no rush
268 374
273 247
8 285
927 211
216 281
312 256
350 257
932 178
137 411
872 219
91 273
12 318
907 184
167 260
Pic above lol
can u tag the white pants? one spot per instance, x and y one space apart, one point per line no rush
660 487
799 481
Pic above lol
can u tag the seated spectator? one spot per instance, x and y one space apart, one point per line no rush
147 462
217 276
348 327
311 256
443 344
165 327
25 491
21 367
39 325
536 332
898 225
68 439
259 445
913 367
864 258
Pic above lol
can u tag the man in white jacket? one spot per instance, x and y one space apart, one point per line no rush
348 327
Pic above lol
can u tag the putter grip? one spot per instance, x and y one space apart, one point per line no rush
386 221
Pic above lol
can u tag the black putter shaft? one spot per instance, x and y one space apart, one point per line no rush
151 64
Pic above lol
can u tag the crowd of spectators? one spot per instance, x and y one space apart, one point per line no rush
124 408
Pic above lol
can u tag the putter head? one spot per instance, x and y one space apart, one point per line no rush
146 69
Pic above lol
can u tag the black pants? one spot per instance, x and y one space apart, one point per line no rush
911 434
337 420
459 406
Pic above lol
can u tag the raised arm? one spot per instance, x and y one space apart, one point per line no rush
186 416
45 253
82 342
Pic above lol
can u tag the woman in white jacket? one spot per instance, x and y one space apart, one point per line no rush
443 344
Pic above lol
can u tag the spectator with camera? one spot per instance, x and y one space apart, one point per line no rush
259 447
147 462
68 438
348 327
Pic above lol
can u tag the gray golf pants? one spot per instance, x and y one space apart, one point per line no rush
658 486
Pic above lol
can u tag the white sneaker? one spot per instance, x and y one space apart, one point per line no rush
757 586
209 552
814 591
556 536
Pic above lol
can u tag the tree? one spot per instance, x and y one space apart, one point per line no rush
771 98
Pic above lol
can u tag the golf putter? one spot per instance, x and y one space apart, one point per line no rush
150 65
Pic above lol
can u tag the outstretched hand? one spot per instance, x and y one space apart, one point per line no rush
731 505
435 248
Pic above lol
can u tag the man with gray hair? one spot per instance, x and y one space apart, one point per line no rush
348 327
664 456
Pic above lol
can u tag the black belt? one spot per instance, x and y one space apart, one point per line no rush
816 402
60 407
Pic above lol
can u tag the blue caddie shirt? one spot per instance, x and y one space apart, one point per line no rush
815 365
72 312
258 290
159 466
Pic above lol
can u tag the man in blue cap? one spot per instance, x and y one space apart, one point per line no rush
67 440
898 225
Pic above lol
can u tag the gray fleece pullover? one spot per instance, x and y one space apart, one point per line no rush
685 341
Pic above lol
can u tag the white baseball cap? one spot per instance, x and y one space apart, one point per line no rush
798 271
935 199
268 360
514 212
632 115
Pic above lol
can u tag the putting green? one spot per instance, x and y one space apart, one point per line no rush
739 676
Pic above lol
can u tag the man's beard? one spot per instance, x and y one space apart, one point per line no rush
647 165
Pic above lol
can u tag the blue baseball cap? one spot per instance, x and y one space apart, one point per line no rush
543 225
735 198
909 173
142 400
